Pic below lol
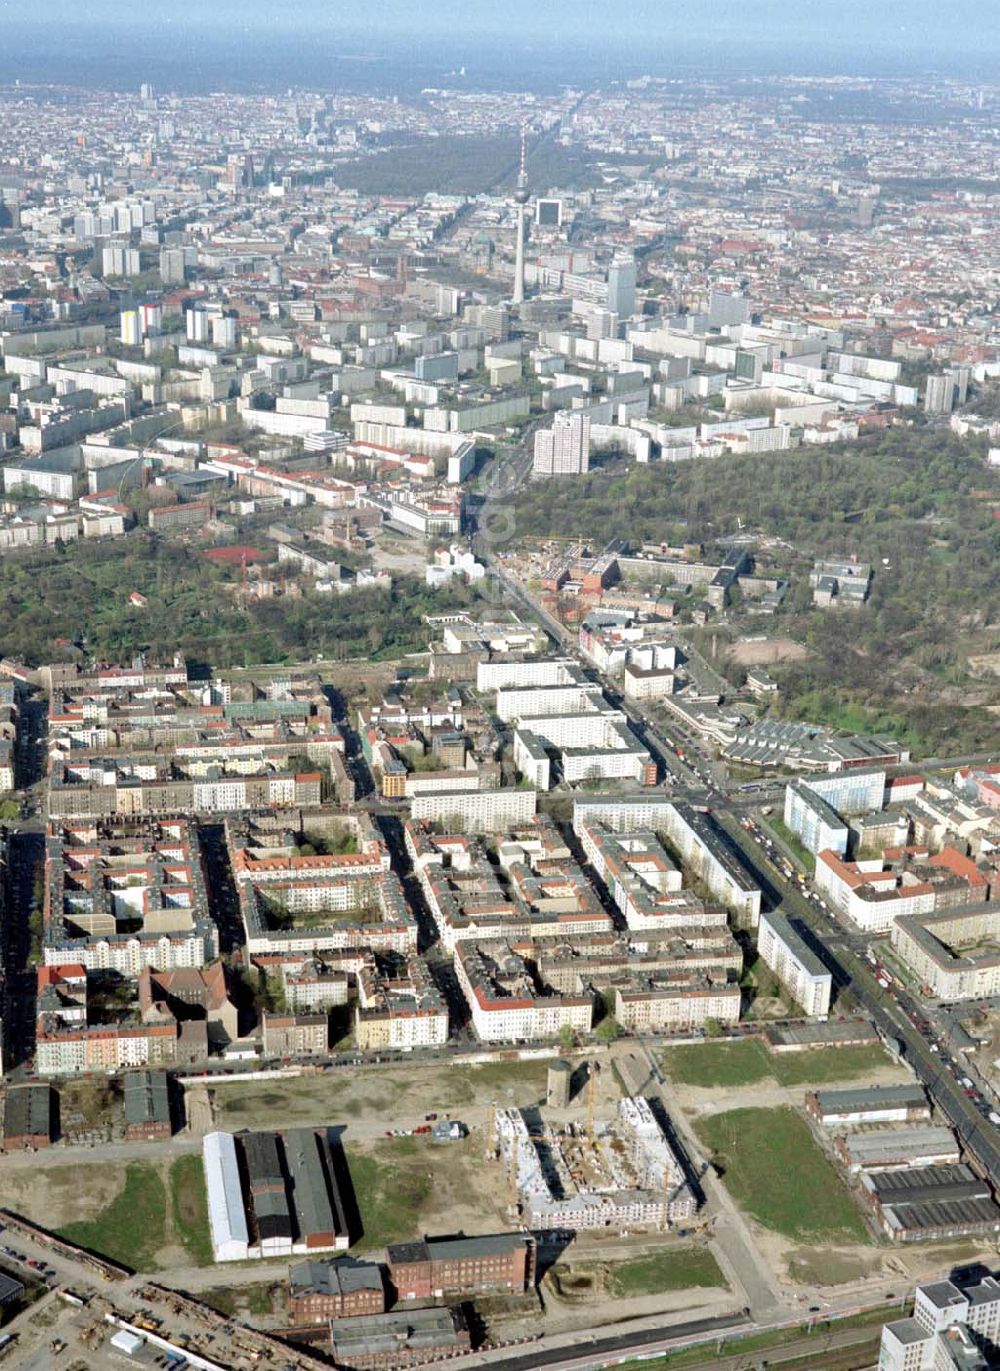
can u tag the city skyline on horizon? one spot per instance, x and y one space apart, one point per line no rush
499 684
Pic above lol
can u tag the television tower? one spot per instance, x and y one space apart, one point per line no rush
521 197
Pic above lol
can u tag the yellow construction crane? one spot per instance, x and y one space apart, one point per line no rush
592 1071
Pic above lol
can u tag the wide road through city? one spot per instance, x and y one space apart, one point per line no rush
847 963
842 951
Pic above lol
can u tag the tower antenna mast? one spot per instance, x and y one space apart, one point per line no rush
521 197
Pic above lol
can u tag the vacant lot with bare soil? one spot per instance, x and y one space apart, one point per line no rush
386 1096
144 1214
760 651
405 1187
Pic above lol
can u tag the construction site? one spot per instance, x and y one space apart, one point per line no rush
620 1173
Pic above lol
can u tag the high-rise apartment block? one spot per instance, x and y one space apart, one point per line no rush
939 394
563 449
621 287
119 260
131 328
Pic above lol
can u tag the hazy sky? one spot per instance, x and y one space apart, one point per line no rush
914 22
549 40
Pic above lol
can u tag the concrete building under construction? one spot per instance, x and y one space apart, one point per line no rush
623 1173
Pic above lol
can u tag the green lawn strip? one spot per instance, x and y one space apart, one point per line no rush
827 1266
855 1357
791 840
189 1202
222 1300
132 1228
711 1064
748 1061
390 1191
818 1065
304 1096
679 1269
777 1174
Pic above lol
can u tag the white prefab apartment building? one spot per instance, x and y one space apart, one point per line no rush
851 790
476 811
794 963
935 948
511 674
691 832
814 820
587 746
947 1329
563 449
523 702
650 671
